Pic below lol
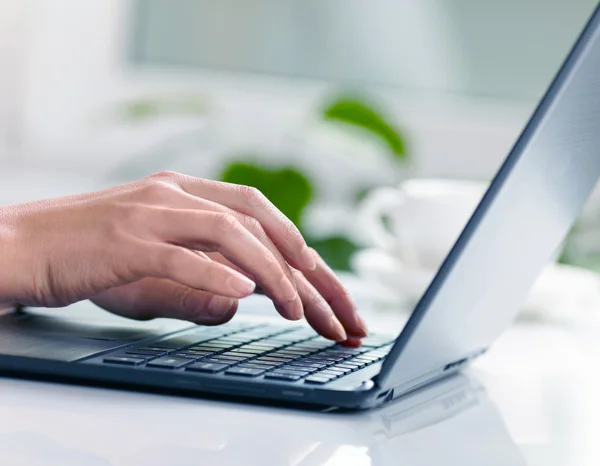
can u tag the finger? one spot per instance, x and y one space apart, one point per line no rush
335 294
318 313
217 257
184 200
250 201
352 342
150 298
150 259
209 231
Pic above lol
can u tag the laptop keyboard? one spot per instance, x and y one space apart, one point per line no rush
288 354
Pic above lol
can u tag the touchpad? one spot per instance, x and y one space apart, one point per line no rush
65 339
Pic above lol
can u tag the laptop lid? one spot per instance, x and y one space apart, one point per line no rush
526 213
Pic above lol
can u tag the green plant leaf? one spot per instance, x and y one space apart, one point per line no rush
357 112
336 251
288 189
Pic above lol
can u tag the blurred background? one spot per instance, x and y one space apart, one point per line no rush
316 102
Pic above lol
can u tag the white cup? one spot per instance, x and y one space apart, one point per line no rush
425 218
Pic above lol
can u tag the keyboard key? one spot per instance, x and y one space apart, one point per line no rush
124 360
308 365
197 353
376 341
215 346
306 370
182 341
290 371
255 366
318 379
255 363
363 359
327 373
272 359
187 356
245 371
235 356
169 362
145 351
315 358
246 350
369 359
351 352
357 360
338 370
352 367
284 355
264 363
230 340
327 358
336 354
357 364
208 367
123 354
207 349
299 353
284 377
238 338
261 345
317 344
239 354
135 354
226 362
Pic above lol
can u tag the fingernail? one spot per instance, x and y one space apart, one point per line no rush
290 310
308 258
240 284
295 309
362 325
338 330
219 305
288 291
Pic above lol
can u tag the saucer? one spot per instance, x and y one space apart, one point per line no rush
377 266
561 293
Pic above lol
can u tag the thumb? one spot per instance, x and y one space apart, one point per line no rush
151 297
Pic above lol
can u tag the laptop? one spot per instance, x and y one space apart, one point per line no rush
527 211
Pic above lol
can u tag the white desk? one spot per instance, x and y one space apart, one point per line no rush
539 404
532 400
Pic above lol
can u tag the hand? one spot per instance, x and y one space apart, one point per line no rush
169 246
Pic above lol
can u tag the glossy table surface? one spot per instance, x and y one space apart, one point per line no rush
533 400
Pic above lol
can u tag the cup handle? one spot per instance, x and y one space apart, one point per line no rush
372 210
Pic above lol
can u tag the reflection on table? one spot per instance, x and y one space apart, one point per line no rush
452 422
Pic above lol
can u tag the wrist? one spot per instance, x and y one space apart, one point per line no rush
8 261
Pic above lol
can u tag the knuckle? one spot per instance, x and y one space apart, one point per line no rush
289 232
252 196
252 225
164 175
271 266
225 224
157 190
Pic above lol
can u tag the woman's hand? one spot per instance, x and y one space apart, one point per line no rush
169 246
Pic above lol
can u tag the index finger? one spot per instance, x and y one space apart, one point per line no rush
250 201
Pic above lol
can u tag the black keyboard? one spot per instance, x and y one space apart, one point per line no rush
288 354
